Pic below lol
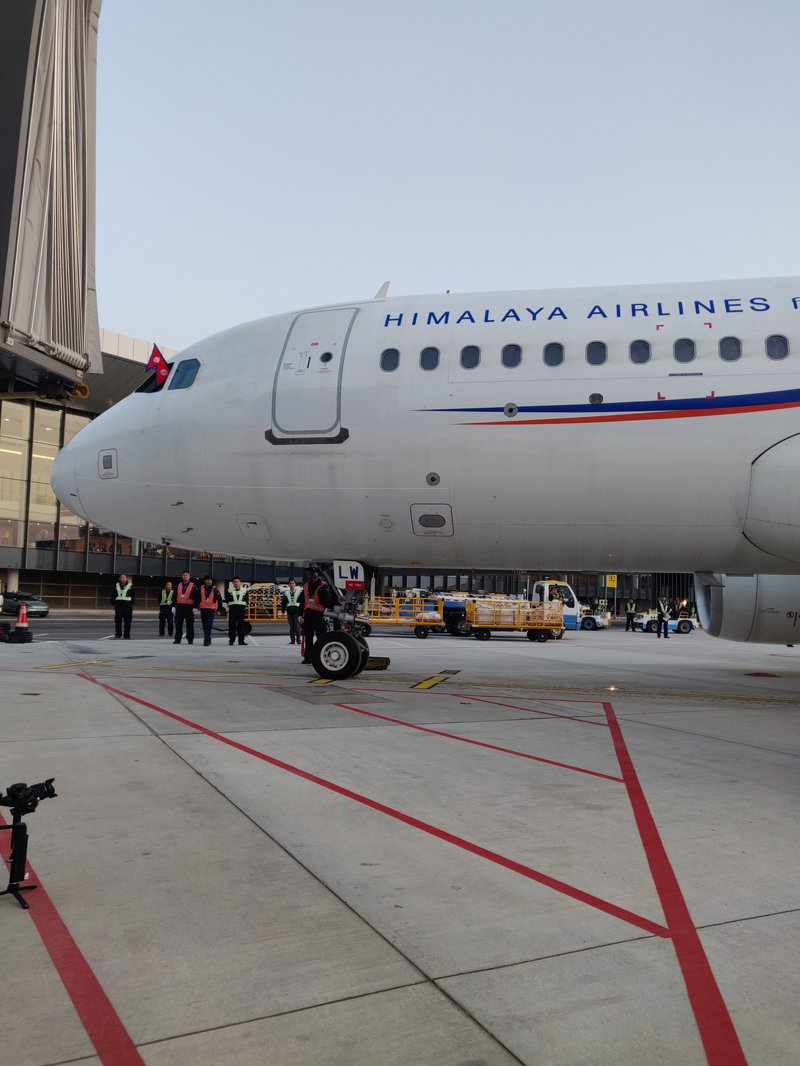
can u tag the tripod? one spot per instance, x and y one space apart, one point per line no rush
17 860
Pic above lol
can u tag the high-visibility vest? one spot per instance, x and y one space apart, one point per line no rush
237 597
208 598
312 598
185 592
630 607
166 597
293 598
124 592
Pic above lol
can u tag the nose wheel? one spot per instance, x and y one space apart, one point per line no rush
339 655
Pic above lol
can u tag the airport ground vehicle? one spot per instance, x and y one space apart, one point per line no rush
12 601
647 622
576 615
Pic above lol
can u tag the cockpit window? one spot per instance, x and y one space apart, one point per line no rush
184 374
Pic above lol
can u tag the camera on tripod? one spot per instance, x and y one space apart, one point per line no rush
22 799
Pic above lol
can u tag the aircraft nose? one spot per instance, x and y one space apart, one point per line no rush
64 480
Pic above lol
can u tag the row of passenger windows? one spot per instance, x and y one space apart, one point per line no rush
683 350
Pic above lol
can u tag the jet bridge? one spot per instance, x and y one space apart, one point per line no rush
49 333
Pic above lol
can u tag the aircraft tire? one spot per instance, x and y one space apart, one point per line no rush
364 655
337 655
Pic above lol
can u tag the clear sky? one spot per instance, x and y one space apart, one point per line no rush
256 157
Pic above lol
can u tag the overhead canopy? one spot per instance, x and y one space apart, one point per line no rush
49 334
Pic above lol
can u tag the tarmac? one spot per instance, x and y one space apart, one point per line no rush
579 852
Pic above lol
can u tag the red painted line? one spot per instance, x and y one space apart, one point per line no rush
407 819
640 416
109 1036
479 743
714 1022
532 710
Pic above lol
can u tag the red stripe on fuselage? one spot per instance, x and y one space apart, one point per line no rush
636 416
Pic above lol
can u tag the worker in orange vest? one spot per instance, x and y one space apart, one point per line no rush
315 600
209 603
186 597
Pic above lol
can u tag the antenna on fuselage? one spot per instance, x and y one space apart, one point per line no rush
382 291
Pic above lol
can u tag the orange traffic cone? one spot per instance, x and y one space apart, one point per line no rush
22 635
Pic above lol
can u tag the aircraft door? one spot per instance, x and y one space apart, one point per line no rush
307 391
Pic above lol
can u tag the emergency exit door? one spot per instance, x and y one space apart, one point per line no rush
307 391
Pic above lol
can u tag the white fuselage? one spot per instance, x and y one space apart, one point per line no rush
294 443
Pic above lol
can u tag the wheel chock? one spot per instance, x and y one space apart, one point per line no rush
377 662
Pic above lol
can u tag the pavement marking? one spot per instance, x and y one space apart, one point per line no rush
430 682
321 681
714 1022
479 743
442 834
82 662
529 710
103 1026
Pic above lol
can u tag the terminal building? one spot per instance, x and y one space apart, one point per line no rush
47 550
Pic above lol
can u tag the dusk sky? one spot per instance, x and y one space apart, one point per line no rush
255 157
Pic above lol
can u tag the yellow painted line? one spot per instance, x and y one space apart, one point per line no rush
322 681
429 682
83 662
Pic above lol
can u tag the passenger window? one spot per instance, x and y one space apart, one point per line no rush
511 355
429 358
640 351
777 347
683 350
390 359
553 354
184 375
470 357
596 353
730 349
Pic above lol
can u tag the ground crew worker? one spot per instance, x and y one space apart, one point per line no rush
209 603
630 611
236 603
122 599
165 610
314 600
662 616
186 596
290 603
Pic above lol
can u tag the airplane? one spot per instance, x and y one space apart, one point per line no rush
635 428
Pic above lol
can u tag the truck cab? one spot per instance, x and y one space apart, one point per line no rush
576 615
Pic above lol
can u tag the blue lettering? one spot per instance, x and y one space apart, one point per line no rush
353 572
637 309
414 318
619 310
556 313
533 314
680 307
732 308
661 312
795 301
597 310
510 313
758 303
699 307
486 316
398 320
434 321
466 316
